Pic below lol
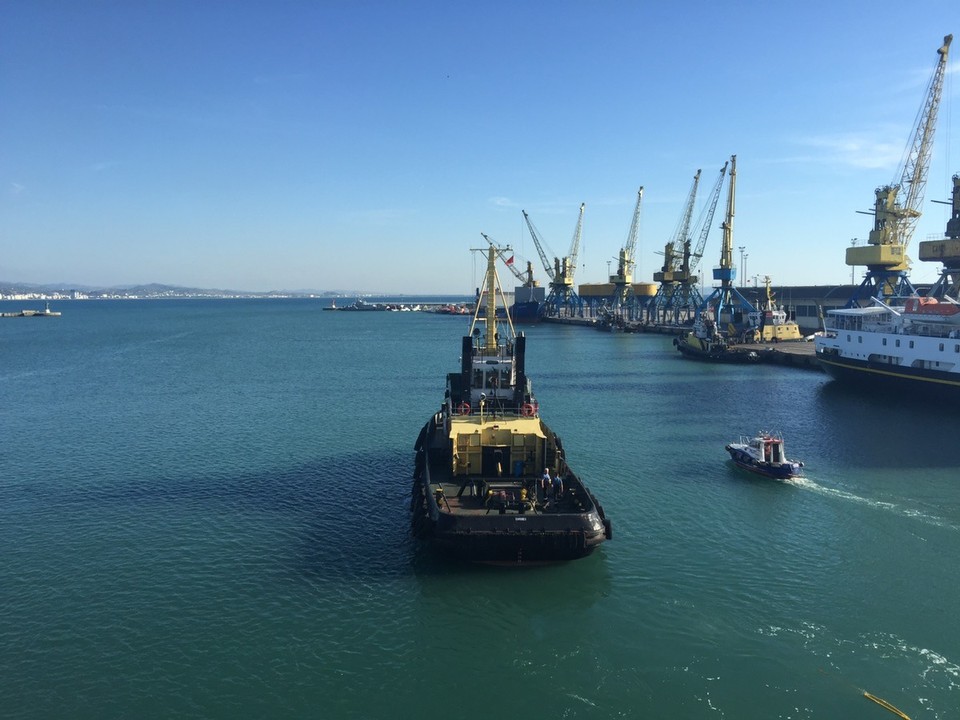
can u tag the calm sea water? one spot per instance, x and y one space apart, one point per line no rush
203 513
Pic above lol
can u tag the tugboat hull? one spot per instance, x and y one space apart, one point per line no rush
713 352
487 522
518 546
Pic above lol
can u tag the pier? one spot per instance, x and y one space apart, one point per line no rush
799 354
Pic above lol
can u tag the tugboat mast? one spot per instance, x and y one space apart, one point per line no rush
492 286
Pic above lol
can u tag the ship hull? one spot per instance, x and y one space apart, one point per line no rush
464 521
710 353
866 374
512 545
522 313
526 312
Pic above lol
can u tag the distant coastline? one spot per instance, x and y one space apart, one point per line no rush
23 291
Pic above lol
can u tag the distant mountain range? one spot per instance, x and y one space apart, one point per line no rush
160 290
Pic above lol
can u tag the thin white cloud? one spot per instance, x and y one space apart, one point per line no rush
16 188
104 165
863 150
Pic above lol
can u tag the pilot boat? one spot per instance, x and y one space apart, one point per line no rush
479 489
763 454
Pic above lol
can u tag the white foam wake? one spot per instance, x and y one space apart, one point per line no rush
806 483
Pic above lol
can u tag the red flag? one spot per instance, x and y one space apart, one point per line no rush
510 261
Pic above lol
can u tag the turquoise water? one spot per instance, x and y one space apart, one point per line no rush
203 513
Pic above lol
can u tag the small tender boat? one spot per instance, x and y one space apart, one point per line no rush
764 455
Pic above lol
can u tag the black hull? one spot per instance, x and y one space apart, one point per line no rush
775 472
903 380
502 537
531 546
717 356
508 538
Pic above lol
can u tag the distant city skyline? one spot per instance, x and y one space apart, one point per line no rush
261 147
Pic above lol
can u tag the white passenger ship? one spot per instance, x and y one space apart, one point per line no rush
913 346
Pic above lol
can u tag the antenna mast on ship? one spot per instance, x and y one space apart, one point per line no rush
492 286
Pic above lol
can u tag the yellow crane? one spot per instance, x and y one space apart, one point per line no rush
946 251
897 205
623 280
668 274
726 302
561 273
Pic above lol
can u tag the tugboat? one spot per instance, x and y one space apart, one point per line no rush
491 482
704 342
764 455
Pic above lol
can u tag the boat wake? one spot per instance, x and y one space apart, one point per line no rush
934 671
805 483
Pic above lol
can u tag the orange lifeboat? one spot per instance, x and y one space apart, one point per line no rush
929 306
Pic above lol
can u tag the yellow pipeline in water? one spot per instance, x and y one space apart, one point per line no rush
884 704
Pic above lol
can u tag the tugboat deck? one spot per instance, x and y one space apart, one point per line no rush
481 504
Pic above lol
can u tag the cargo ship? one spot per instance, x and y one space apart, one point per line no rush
491 481
528 304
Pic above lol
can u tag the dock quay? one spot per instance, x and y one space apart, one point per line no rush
799 354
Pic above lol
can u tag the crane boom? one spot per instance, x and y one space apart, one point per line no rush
501 252
682 235
631 247
691 260
538 242
895 217
728 273
571 260
916 164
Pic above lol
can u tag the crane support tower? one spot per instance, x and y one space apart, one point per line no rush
725 302
562 298
688 298
622 298
946 251
897 206
663 309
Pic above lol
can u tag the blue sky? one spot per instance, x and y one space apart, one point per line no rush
366 145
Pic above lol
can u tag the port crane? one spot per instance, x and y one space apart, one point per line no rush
683 298
563 295
622 281
525 277
726 299
688 297
947 251
672 260
897 206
